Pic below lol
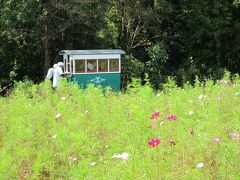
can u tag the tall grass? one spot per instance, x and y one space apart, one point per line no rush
74 133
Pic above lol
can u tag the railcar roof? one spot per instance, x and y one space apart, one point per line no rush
91 52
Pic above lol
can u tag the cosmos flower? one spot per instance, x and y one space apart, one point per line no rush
171 142
72 158
217 140
234 136
154 122
58 115
54 136
200 97
154 142
155 115
200 165
123 156
172 118
190 113
93 164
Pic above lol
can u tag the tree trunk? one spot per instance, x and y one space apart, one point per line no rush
46 49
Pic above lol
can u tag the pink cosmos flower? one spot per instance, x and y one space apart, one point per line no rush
154 122
234 136
217 140
171 142
155 115
154 142
172 118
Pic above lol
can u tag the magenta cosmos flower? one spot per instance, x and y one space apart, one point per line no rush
155 115
217 140
154 142
172 118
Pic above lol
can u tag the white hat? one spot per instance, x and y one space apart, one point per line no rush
60 64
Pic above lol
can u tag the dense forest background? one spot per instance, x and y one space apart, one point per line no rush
178 38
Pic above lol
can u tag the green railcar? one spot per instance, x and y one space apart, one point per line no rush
99 67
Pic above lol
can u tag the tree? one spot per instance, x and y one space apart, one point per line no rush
33 32
212 35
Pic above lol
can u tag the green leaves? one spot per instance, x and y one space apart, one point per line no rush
160 35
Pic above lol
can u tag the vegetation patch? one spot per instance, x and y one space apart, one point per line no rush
190 132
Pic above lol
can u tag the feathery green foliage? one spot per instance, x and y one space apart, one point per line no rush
46 134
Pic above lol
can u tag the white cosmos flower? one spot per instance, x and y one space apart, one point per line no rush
123 156
161 123
54 136
93 164
63 98
200 97
190 113
58 115
72 158
116 156
200 165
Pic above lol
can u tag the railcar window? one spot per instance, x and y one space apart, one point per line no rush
102 65
80 66
91 65
114 65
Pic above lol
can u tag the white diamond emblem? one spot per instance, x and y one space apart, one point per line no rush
97 80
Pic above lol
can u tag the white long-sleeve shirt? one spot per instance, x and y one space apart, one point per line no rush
50 73
57 72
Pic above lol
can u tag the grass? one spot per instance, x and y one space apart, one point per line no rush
92 127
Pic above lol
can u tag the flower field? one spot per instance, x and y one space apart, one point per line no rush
178 133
